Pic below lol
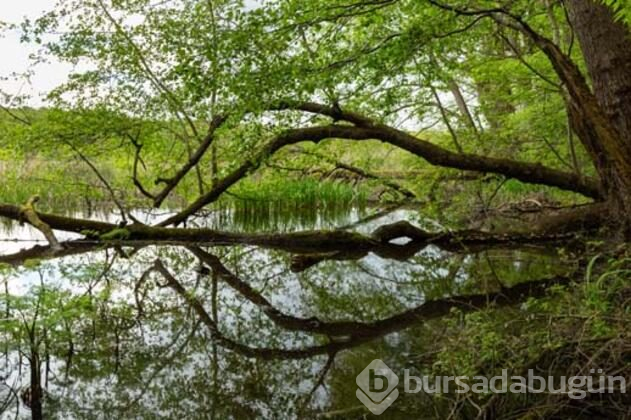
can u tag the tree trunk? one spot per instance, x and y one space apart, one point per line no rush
606 46
462 105
36 387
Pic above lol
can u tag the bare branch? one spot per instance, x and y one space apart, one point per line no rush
363 173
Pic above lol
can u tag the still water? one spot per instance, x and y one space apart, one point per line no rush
224 332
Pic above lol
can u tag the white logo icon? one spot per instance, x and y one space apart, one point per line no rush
376 384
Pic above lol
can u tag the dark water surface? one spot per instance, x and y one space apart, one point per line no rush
240 336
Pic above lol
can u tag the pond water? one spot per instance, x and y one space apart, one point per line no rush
226 331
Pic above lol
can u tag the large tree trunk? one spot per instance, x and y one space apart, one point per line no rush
606 46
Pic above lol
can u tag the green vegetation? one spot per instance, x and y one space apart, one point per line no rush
264 196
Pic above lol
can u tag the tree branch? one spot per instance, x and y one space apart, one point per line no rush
101 178
526 172
363 173
28 212
137 158
194 159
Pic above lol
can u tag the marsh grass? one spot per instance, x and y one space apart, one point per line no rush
309 192
281 205
63 186
254 204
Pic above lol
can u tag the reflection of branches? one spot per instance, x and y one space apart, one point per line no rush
347 334
10 389
39 252
319 381
139 297
288 322
165 362
221 339
107 267
371 273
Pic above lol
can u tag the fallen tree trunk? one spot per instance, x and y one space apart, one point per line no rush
306 242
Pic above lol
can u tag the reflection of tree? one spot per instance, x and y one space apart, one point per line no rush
345 334
236 348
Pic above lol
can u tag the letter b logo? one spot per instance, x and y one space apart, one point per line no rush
377 385
376 382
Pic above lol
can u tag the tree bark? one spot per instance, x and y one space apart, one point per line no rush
606 47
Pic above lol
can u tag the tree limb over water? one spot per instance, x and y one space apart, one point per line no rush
366 129
323 244
29 214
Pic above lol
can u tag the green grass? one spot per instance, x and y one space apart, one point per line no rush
276 204
308 192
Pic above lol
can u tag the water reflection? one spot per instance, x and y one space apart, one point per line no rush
228 332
